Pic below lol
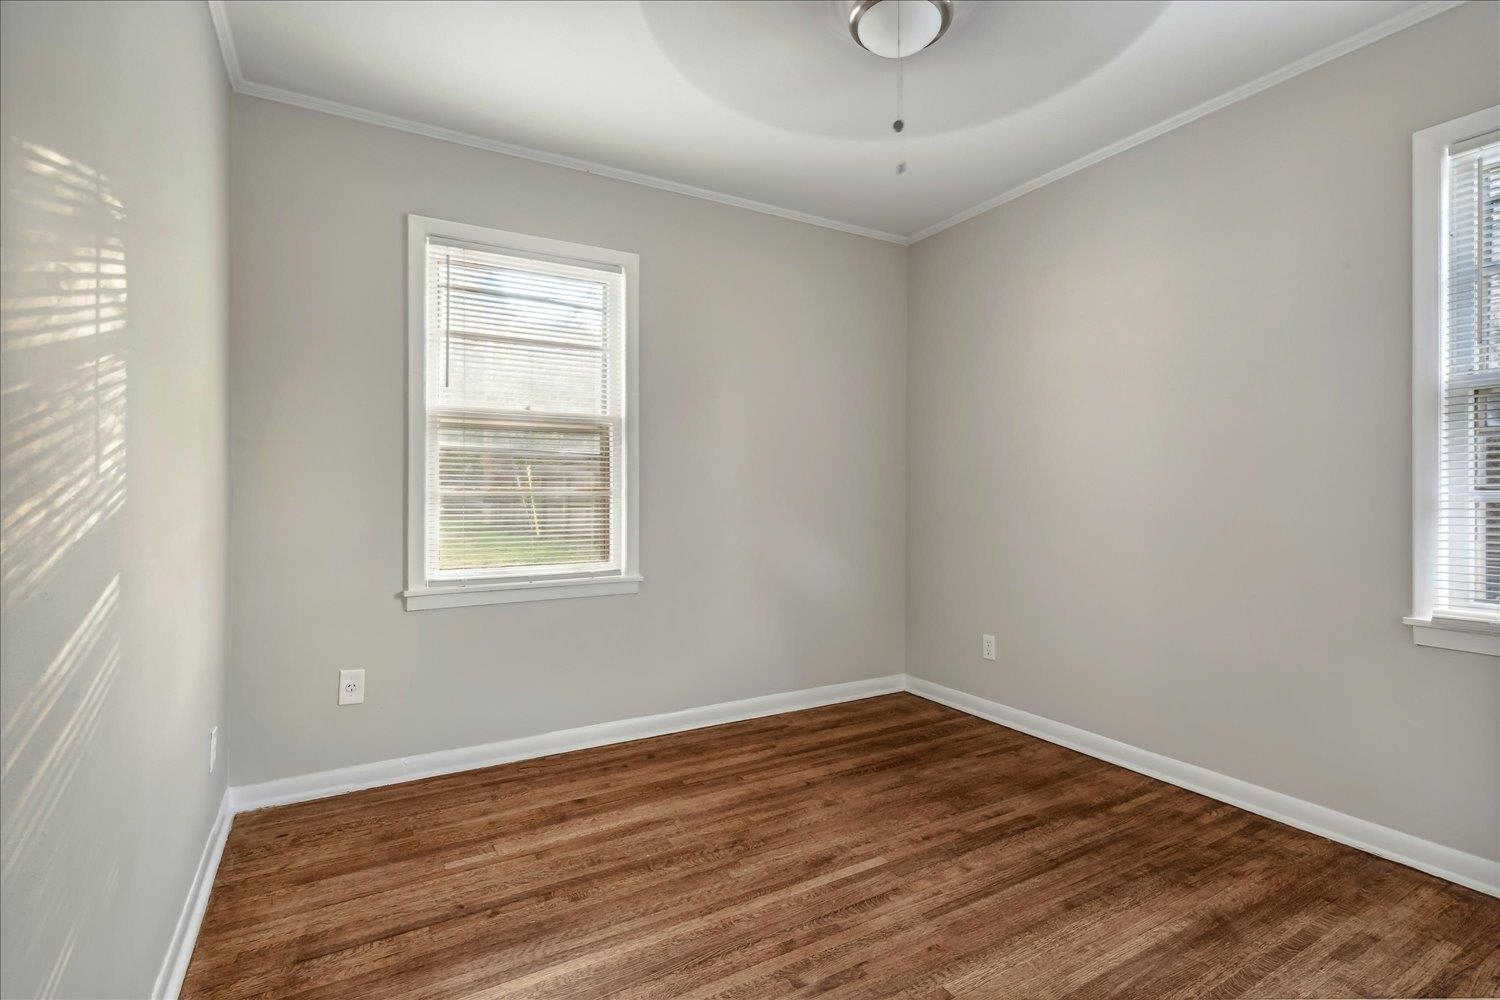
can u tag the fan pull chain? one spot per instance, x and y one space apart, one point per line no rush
899 125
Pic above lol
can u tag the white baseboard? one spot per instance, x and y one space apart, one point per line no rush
322 784
1445 862
185 935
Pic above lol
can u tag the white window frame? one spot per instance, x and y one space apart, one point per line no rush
1428 233
422 593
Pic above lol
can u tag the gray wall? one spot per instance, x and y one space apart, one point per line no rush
1159 444
772 457
1129 457
112 421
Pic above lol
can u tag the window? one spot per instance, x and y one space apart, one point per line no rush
1456 384
522 418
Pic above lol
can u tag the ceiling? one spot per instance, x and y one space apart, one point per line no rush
772 106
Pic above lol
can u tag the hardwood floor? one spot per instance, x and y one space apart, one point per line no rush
888 847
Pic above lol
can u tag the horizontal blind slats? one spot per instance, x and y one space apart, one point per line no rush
1467 540
523 422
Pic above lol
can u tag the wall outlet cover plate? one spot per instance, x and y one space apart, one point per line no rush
351 687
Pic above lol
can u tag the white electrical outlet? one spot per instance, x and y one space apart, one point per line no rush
351 687
213 748
987 647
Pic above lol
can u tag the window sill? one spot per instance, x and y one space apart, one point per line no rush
459 596
1448 634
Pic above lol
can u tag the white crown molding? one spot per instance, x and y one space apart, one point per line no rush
554 159
1448 863
220 17
302 788
185 935
1374 33
251 89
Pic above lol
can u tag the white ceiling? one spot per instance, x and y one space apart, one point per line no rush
772 105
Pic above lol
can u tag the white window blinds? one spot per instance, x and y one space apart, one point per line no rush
524 409
1467 583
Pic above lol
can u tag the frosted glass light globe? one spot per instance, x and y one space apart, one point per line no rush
873 23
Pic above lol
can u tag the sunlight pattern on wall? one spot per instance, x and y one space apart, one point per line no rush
62 488
63 435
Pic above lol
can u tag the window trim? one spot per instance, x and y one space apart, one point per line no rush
421 593
1429 149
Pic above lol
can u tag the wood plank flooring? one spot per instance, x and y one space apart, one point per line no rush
888 847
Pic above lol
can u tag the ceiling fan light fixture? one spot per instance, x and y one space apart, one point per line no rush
895 29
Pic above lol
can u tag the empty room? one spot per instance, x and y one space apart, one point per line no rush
738 499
